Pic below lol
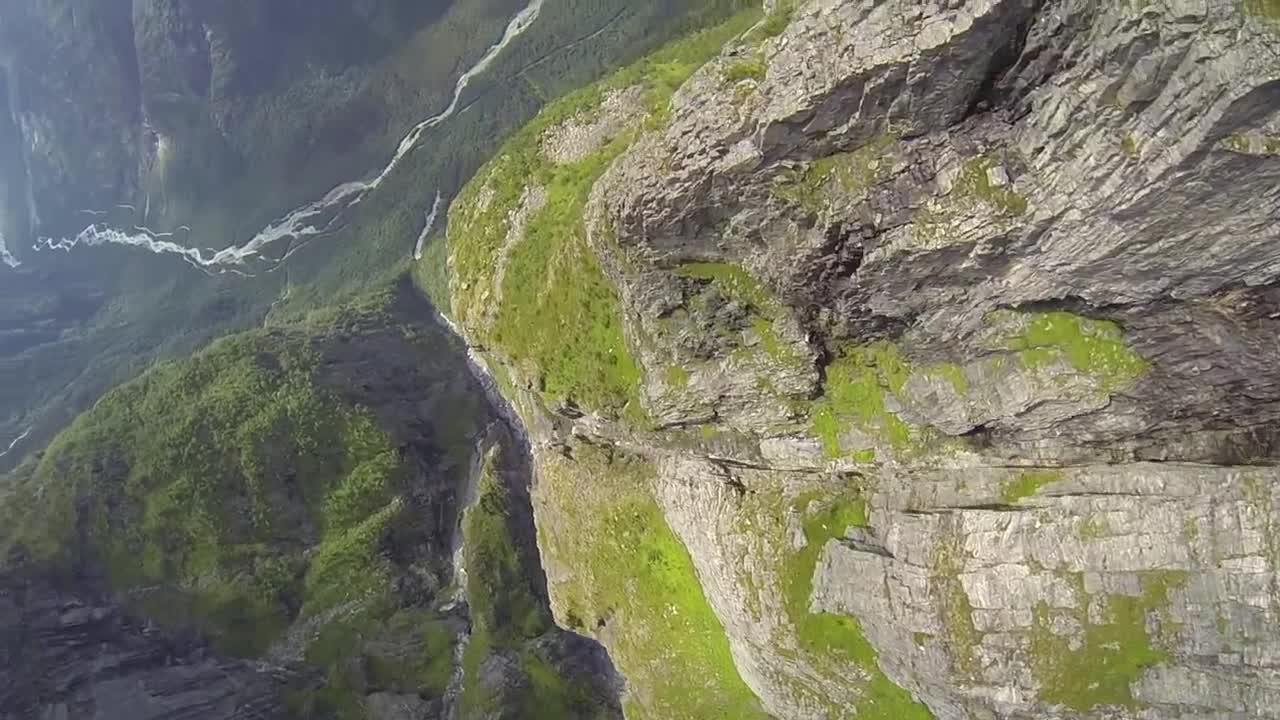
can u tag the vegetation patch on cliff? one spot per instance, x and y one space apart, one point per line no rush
775 22
628 580
827 637
1027 484
1268 10
1095 348
1114 653
560 321
509 613
854 398
842 176
764 310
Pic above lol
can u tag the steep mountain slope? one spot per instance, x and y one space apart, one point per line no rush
849 359
302 496
212 121
941 336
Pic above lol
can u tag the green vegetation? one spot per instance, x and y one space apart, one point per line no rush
1129 145
677 377
1093 347
182 476
374 90
854 394
972 192
378 647
961 634
1027 484
633 576
1095 529
953 374
753 68
849 174
733 281
507 611
1267 10
775 23
1242 143
838 637
238 494
975 182
560 314
1114 654
765 310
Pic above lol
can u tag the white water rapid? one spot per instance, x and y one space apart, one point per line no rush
15 442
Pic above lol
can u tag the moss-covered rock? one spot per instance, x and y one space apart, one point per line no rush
618 572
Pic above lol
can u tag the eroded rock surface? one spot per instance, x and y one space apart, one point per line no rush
70 656
955 326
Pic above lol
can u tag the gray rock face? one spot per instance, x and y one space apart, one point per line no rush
903 171
1024 256
64 656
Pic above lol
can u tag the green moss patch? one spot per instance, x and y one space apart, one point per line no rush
1129 145
1093 347
560 318
1096 528
677 377
1267 10
975 182
1114 654
838 638
854 395
1253 144
634 583
961 635
753 68
1027 484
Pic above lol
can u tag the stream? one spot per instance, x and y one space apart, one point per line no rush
305 221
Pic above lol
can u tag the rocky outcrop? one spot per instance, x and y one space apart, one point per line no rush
955 336
67 655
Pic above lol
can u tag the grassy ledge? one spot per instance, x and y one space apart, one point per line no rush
736 284
854 397
838 638
634 584
843 175
560 320
1027 485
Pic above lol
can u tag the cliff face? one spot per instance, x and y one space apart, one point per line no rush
942 338
69 656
